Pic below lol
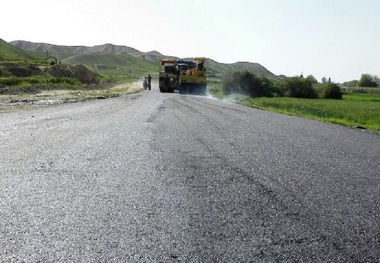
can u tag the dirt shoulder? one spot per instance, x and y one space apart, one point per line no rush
46 98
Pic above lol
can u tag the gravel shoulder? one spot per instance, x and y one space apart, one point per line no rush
10 103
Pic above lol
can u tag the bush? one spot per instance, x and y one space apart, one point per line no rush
298 87
248 84
330 91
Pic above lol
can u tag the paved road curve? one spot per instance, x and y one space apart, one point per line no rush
169 178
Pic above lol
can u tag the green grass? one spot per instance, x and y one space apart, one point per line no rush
8 52
17 81
353 110
215 90
107 77
118 64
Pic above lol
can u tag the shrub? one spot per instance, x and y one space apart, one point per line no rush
330 91
248 84
298 87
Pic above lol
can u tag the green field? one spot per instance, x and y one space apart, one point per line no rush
354 110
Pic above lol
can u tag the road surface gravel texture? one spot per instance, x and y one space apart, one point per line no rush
154 177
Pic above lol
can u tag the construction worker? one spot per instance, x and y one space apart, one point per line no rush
149 78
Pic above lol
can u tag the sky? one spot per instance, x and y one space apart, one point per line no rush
337 39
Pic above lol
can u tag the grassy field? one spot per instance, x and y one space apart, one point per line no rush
354 110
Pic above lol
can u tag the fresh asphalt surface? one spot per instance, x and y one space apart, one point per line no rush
157 177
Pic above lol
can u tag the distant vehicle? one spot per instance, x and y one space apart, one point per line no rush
186 76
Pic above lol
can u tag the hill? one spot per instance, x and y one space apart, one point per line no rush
65 52
122 59
40 49
9 52
254 67
107 58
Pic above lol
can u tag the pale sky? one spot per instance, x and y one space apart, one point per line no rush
325 38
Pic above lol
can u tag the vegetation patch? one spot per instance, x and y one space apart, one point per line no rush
303 97
42 80
354 110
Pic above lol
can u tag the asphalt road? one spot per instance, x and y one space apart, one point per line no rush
158 177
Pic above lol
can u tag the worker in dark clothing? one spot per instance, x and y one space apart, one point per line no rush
149 78
166 81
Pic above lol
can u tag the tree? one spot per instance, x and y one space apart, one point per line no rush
368 80
377 80
312 79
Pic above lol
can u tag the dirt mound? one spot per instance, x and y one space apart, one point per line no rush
23 69
79 72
